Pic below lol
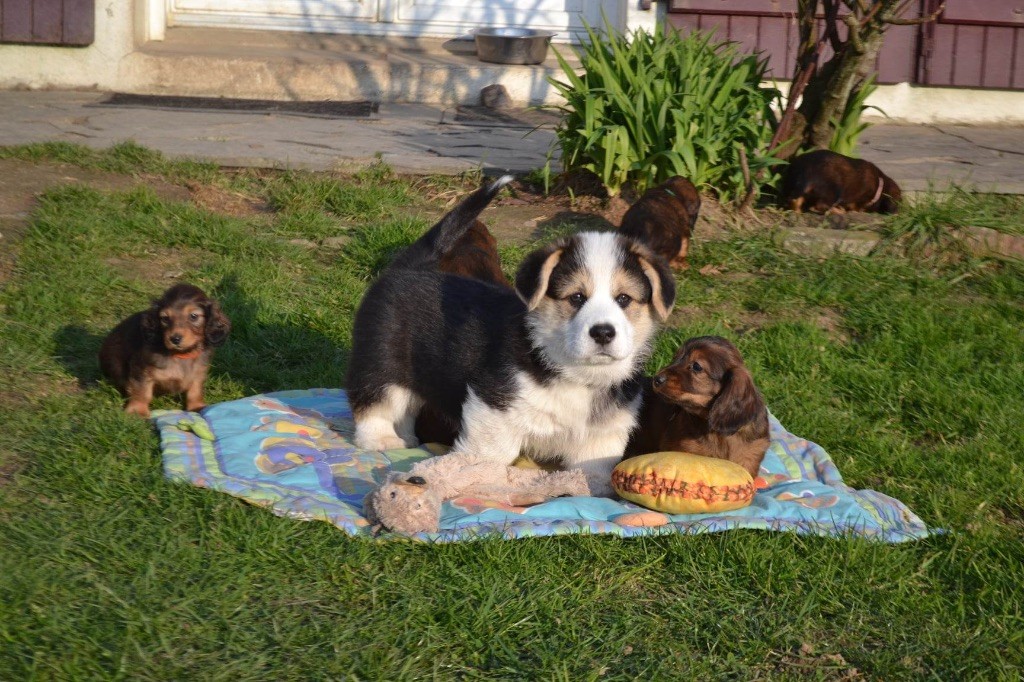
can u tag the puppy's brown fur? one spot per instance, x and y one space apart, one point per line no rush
664 218
474 255
165 349
822 181
704 403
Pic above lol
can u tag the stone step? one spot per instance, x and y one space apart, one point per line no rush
215 62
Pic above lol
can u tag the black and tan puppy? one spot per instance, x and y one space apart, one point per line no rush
664 218
822 181
165 350
704 403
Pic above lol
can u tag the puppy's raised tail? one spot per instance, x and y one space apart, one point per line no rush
426 251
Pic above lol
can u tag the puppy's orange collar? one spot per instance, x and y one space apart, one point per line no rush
191 355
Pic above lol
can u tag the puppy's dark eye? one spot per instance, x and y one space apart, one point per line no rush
193 316
623 300
393 494
696 368
577 300
165 321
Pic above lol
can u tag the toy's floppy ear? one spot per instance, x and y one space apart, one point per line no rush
535 272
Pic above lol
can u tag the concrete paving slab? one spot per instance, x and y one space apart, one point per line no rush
418 138
922 157
411 137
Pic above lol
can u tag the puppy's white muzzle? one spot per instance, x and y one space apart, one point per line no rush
600 334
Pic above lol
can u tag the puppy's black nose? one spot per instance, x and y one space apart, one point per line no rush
602 333
417 480
176 339
659 379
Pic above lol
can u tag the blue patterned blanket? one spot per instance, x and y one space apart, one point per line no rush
291 451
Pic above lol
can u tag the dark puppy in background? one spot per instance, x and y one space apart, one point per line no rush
474 255
822 181
165 350
663 218
704 403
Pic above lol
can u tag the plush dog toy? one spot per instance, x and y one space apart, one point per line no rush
411 502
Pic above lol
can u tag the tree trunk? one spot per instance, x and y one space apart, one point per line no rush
825 98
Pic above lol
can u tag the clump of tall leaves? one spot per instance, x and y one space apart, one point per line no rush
647 106
848 128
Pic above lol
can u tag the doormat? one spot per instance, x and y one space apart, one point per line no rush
504 118
322 109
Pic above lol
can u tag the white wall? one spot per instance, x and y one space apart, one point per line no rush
95 66
121 25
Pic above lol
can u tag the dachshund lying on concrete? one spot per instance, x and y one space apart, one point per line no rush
822 181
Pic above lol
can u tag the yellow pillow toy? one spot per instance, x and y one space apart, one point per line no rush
681 483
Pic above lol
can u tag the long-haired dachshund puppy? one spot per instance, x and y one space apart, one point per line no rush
822 181
704 403
664 218
165 349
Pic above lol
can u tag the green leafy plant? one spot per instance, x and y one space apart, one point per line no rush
847 130
647 106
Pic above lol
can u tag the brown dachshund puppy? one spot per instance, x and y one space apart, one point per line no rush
166 349
474 255
704 403
663 218
822 181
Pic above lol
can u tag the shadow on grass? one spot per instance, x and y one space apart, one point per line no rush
261 355
77 351
566 223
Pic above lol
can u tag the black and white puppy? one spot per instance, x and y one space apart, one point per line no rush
552 369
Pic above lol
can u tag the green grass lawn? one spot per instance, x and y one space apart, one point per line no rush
910 374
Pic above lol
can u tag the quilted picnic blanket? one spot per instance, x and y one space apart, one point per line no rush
291 451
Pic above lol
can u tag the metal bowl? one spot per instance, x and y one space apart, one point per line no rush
512 45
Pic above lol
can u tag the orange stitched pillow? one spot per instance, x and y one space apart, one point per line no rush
681 483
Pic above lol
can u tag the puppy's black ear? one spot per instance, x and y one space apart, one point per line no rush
737 404
535 272
217 324
150 324
663 282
